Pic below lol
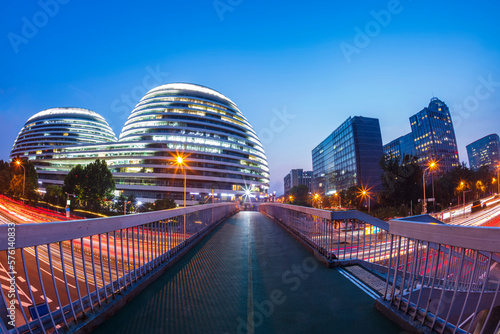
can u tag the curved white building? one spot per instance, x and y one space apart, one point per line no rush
222 152
60 127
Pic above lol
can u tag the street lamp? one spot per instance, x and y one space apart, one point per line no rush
432 165
365 193
24 174
336 194
316 198
180 161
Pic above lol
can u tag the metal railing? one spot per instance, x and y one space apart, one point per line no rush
55 275
337 235
445 277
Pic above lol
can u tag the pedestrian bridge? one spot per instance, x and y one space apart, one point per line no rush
214 269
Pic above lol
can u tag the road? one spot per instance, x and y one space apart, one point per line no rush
64 265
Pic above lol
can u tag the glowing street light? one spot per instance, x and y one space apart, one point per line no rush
24 174
316 199
364 193
432 166
180 161
336 194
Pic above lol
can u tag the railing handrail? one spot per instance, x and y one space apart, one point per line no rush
327 214
355 214
472 237
334 215
33 234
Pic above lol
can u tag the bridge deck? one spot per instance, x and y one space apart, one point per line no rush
250 268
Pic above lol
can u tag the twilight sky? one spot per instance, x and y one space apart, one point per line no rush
295 69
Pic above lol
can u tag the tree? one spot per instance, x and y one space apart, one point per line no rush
91 185
401 181
98 184
451 185
164 204
351 198
146 207
131 203
16 185
300 195
54 195
24 180
73 183
483 180
5 177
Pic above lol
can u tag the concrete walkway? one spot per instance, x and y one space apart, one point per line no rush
250 276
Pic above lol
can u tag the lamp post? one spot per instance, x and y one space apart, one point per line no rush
366 194
24 175
340 199
316 198
424 205
179 160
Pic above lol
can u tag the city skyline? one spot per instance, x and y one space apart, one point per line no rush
296 74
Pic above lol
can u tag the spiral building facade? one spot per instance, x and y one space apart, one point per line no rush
60 127
222 153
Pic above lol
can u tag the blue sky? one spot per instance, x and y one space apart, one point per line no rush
317 62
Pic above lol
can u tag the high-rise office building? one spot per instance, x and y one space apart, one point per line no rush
297 177
432 138
434 135
484 152
348 157
400 147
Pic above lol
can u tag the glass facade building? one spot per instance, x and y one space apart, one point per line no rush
432 137
400 147
297 177
223 153
484 152
348 157
60 127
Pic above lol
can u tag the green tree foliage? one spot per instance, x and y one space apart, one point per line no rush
5 177
73 183
54 195
164 204
16 185
146 207
129 201
98 184
24 180
159 204
92 184
401 181
351 198
300 195
451 186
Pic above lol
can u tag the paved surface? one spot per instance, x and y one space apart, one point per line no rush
250 276
368 278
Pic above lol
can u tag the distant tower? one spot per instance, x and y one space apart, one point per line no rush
434 136
484 152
